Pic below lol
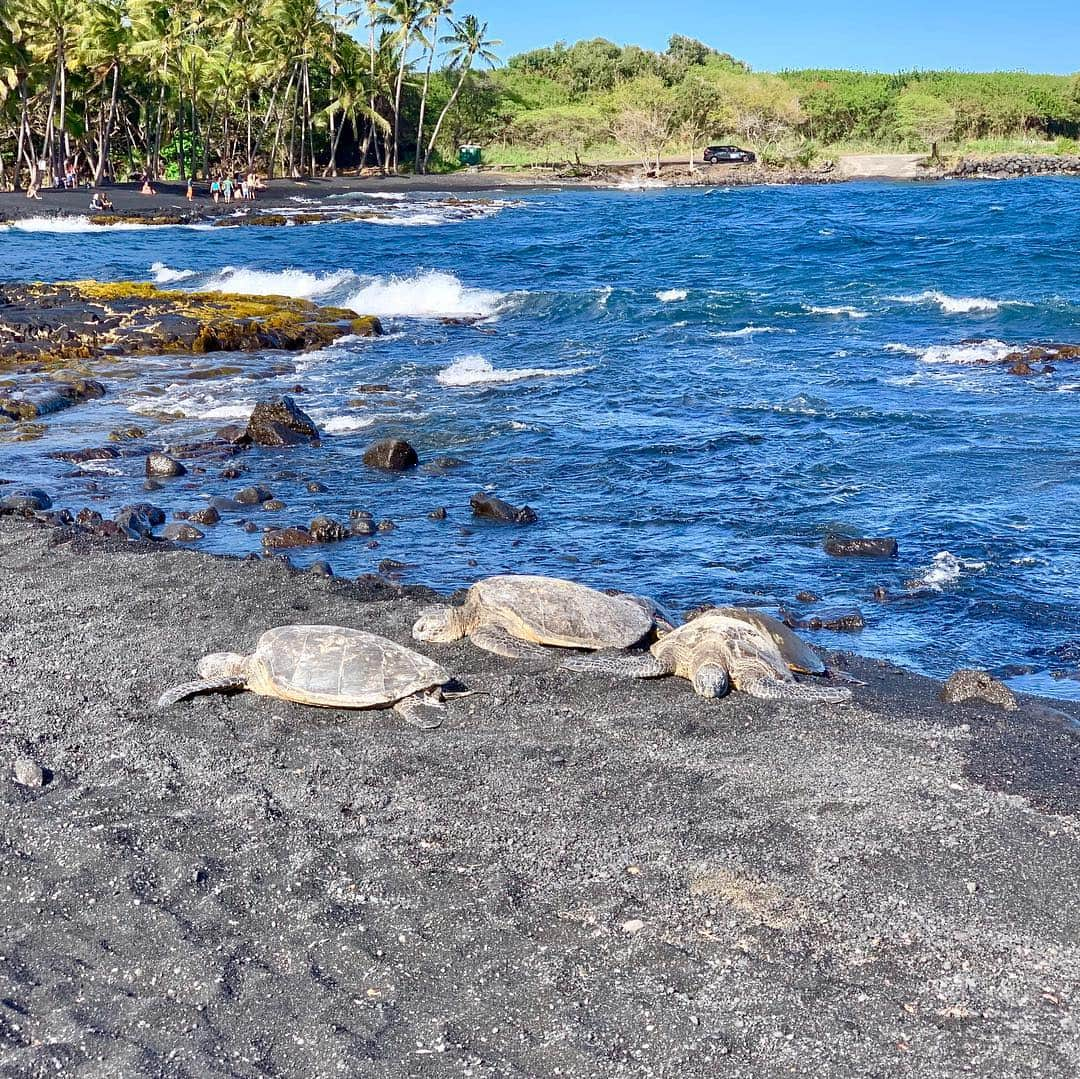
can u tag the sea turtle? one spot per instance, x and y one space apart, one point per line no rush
798 655
512 614
330 667
716 651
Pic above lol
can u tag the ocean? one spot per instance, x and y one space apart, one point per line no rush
692 388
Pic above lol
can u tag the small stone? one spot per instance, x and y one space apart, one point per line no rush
844 619
208 516
254 495
29 773
322 568
288 537
362 527
385 526
151 485
438 515
162 466
273 505
325 529
634 925
880 593
317 488
181 532
967 685
281 423
807 597
391 455
496 509
133 523
361 515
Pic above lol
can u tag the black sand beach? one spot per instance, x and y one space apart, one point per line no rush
574 876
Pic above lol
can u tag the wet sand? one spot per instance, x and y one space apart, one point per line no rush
574 876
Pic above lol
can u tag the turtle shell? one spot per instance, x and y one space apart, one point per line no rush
549 610
336 667
798 655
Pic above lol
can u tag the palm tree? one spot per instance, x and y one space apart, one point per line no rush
433 12
405 17
101 46
467 43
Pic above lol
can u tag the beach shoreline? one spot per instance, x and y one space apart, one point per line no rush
170 199
573 873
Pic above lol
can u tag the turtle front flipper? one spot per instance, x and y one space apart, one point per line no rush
494 639
422 710
190 689
624 664
773 689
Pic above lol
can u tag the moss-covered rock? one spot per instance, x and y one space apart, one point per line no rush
54 323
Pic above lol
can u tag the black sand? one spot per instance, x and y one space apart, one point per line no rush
574 877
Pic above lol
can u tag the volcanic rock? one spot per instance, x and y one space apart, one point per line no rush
181 532
27 499
281 422
327 530
162 466
255 495
861 547
967 685
391 455
496 509
279 538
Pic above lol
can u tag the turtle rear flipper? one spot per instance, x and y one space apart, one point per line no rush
190 689
501 643
772 689
624 664
422 711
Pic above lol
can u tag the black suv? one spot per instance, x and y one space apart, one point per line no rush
715 154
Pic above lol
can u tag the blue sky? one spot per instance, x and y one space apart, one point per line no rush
969 35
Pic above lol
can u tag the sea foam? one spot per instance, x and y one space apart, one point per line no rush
671 295
836 312
951 305
474 370
426 294
945 569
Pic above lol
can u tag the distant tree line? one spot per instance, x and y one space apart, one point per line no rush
116 88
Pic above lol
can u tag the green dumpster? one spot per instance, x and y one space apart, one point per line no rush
469 155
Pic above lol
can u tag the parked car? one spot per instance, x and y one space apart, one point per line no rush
733 154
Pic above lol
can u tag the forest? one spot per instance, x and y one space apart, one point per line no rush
113 89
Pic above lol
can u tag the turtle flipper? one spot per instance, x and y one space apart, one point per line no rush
493 639
624 664
422 711
190 689
773 689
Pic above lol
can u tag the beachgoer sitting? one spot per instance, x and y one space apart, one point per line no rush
147 187
32 190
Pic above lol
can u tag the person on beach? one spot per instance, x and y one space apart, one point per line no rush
101 202
215 189
32 190
147 187
227 188
190 191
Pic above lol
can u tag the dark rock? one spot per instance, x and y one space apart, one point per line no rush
281 423
438 515
162 466
181 532
361 526
496 509
225 505
26 499
234 434
133 523
88 518
126 434
327 530
273 505
967 685
844 619
317 488
231 473
391 455
151 485
249 526
322 568
154 514
443 464
385 526
861 547
279 538
94 453
392 565
808 597
208 516
880 594
255 495
361 515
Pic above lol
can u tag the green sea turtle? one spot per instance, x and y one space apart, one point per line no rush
511 615
716 651
329 667
798 655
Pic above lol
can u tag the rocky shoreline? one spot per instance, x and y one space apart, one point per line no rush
572 876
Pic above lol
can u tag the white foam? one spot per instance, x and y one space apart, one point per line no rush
163 275
945 568
904 350
969 353
340 425
836 312
671 295
640 185
299 284
748 331
71 224
952 305
474 370
426 294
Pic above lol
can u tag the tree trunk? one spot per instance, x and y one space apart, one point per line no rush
421 157
446 108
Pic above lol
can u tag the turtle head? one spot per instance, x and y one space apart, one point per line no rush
223 665
441 624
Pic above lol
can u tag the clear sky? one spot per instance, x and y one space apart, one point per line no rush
968 35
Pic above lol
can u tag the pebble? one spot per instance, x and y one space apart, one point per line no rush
162 466
29 773
254 495
634 925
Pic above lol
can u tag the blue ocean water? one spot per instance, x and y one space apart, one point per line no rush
691 387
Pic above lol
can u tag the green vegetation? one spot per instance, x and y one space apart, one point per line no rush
117 88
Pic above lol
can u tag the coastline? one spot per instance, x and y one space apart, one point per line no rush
573 873
170 197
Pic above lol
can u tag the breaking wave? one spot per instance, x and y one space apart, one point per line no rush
671 295
474 370
836 312
973 353
951 305
945 569
427 294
